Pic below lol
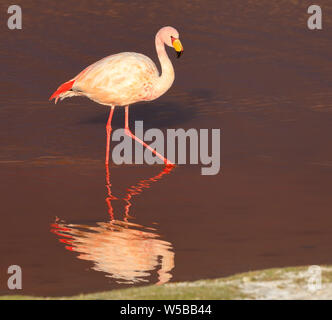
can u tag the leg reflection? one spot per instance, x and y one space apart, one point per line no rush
125 251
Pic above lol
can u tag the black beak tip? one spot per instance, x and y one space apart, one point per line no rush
179 54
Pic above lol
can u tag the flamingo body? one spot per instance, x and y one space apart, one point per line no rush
118 80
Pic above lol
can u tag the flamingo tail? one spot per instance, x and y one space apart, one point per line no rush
63 91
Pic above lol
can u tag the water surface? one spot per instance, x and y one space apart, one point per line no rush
250 68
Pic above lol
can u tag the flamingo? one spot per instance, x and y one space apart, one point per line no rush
126 78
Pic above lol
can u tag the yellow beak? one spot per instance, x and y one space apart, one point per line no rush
178 47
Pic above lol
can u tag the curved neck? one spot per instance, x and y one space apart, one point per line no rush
165 80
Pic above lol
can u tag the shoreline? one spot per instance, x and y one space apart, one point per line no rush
289 283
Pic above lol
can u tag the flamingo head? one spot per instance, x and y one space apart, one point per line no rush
170 36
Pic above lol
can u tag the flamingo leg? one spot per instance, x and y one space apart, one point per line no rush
130 134
108 133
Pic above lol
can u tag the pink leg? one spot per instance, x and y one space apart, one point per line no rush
110 197
108 132
129 133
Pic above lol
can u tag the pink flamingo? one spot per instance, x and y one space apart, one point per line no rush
126 78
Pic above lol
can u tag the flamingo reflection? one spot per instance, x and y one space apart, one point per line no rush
125 251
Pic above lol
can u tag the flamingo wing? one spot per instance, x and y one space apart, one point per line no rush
119 79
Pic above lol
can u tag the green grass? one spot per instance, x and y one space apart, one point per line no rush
209 289
229 288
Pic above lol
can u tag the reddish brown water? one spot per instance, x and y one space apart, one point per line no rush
251 68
